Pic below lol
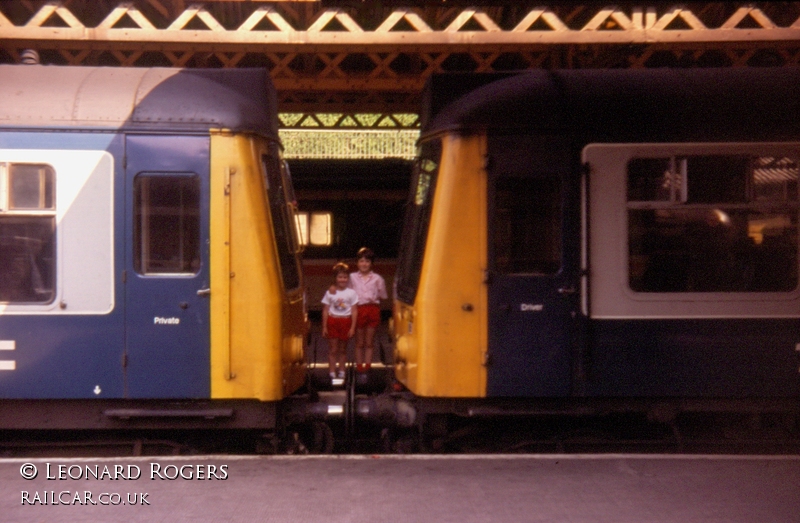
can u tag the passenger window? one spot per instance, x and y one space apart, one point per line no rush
166 224
30 187
27 233
713 223
315 228
655 179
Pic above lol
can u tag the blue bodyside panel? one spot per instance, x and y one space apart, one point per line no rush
735 358
111 142
63 357
121 352
61 354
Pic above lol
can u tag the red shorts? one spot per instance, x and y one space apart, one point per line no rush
369 315
339 327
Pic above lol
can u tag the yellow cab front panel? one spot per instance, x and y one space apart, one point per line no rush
258 317
441 338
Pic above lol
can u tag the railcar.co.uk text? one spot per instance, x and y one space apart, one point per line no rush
153 471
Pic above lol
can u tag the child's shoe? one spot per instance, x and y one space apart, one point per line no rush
340 375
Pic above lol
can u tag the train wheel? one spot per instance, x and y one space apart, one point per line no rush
323 438
267 444
400 441
312 438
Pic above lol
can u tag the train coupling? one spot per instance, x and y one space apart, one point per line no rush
324 406
388 410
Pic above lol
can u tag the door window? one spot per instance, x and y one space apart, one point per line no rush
527 225
167 224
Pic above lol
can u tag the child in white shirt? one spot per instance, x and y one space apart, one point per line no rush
339 316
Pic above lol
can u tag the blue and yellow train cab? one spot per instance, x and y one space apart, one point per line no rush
591 241
147 249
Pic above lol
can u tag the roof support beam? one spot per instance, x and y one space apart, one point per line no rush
609 26
374 58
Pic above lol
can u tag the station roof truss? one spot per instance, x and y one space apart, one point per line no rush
361 64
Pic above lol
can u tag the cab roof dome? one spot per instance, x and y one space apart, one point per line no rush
186 100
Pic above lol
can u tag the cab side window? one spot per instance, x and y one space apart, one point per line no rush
282 209
27 233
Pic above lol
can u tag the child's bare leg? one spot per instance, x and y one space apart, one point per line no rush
360 347
369 344
343 356
333 350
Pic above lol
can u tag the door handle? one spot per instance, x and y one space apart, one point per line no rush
204 292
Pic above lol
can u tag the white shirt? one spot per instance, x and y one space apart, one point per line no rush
340 303
370 288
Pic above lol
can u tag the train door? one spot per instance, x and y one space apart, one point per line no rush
533 276
167 282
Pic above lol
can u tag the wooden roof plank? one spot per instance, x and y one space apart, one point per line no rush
393 40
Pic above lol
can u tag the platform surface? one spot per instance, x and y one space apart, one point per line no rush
442 489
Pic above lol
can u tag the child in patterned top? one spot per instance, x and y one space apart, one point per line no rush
339 316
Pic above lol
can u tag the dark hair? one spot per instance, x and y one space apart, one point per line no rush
365 252
341 267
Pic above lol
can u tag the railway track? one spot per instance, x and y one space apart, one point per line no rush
624 434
